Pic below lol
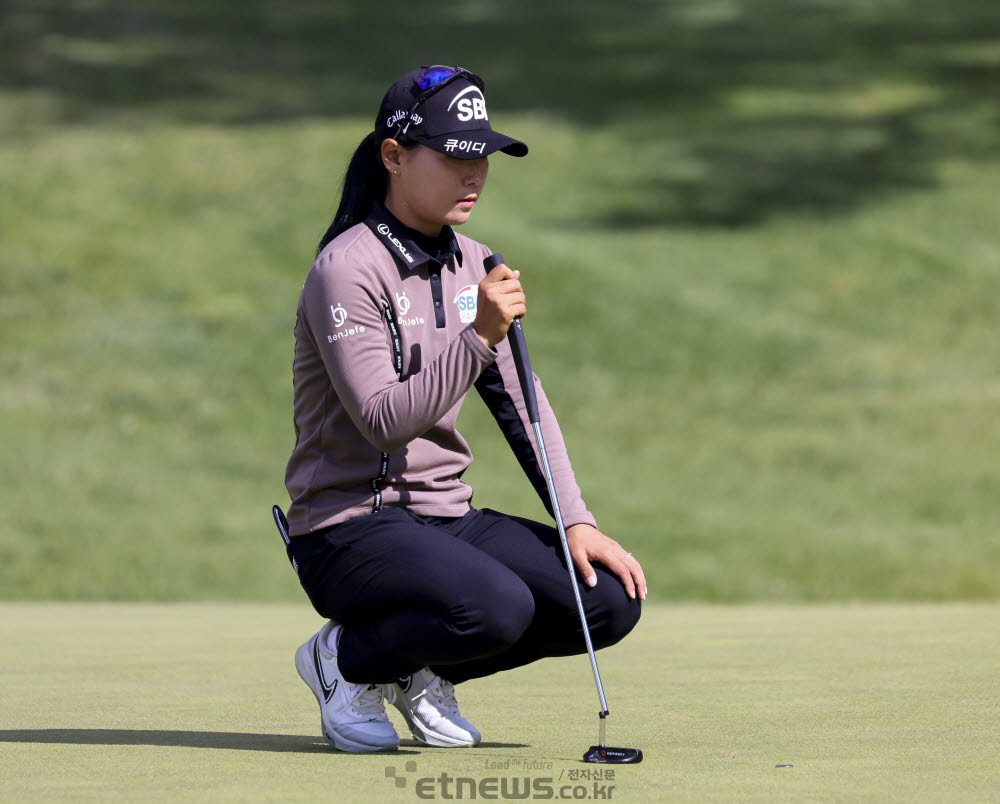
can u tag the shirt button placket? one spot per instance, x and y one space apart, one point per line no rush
438 299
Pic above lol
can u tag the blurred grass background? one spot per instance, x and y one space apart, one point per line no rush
760 238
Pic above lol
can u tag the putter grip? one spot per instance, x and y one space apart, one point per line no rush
519 348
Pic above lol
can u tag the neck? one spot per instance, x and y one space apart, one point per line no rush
401 212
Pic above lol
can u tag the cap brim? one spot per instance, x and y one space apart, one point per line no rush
475 143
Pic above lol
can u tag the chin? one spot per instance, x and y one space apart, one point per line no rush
458 217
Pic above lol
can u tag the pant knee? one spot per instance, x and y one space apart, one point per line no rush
496 618
617 616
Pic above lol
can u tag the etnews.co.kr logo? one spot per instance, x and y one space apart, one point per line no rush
576 784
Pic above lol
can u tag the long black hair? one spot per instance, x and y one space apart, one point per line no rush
365 182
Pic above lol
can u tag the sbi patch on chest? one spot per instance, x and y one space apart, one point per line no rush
466 300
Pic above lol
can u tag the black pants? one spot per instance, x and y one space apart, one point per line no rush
466 597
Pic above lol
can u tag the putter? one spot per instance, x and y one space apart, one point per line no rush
282 525
518 345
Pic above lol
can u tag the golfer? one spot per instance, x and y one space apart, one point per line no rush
397 322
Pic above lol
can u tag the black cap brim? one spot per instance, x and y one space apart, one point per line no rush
472 144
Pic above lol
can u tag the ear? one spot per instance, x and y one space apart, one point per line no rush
392 153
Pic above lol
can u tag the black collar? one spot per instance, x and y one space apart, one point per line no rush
412 249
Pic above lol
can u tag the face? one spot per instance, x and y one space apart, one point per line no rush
432 189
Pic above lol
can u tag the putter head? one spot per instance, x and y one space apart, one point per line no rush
607 755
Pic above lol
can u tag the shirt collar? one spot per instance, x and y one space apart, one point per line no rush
412 249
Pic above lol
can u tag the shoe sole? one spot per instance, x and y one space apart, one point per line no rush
425 735
306 669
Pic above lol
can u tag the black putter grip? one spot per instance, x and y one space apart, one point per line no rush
519 348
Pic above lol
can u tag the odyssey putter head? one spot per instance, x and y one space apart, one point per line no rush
606 755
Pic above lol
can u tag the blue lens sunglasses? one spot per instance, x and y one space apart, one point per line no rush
432 81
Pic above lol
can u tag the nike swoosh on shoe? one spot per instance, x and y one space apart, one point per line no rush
328 689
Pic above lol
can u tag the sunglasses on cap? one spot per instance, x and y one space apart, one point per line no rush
432 81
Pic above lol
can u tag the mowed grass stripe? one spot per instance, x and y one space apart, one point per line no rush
201 702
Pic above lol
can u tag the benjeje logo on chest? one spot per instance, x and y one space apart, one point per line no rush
402 308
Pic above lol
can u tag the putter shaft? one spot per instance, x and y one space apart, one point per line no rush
519 350
572 571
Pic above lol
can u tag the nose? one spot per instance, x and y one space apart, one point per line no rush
476 171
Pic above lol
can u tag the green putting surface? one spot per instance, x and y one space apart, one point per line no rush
123 702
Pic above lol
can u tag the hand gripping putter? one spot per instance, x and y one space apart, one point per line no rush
596 753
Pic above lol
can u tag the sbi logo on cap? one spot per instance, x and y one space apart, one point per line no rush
473 108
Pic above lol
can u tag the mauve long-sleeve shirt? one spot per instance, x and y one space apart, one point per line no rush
385 353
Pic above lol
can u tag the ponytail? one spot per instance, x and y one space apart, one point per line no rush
365 182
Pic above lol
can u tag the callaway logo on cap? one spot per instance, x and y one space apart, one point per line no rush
443 108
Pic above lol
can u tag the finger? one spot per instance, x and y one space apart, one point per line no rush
500 273
508 286
621 563
584 567
496 291
510 305
624 573
515 300
639 576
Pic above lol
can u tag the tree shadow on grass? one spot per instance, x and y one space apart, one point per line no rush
726 112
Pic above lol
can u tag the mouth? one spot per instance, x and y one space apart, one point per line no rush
468 202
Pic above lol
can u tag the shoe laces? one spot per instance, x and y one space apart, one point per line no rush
443 694
368 701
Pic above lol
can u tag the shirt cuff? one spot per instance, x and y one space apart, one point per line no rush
485 352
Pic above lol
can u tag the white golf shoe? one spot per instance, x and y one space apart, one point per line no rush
352 716
428 703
